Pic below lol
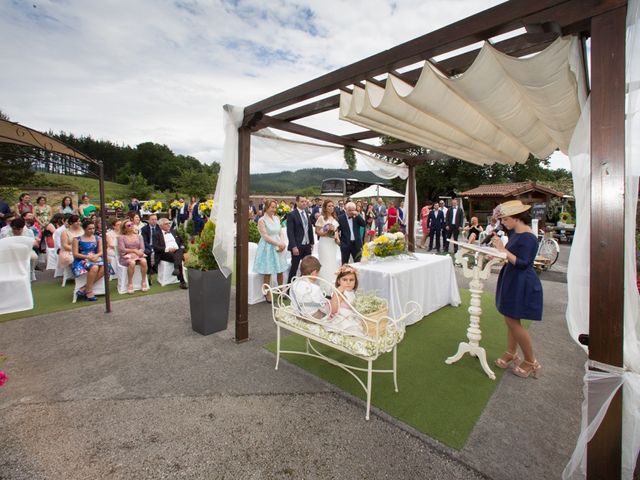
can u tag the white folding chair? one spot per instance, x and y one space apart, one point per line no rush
15 274
165 273
52 259
123 278
81 281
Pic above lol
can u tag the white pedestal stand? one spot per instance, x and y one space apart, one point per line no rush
479 272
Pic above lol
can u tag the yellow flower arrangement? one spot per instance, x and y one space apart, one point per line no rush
205 208
116 205
386 245
152 206
177 204
282 210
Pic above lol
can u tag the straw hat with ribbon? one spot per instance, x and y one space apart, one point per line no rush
510 208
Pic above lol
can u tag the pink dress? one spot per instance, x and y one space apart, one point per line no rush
125 242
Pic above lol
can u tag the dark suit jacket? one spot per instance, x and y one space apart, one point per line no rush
158 241
345 233
435 221
455 222
135 207
295 229
146 236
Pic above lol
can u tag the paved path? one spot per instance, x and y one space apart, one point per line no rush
137 394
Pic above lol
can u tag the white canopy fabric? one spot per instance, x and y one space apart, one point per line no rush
376 191
499 110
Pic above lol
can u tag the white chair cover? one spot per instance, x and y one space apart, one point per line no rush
81 281
15 274
52 259
165 274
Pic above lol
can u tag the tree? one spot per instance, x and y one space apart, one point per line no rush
196 182
139 187
15 163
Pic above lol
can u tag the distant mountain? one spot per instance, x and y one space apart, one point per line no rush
305 181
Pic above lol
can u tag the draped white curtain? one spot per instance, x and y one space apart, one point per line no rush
600 387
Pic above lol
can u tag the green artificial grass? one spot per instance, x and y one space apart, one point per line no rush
50 297
440 400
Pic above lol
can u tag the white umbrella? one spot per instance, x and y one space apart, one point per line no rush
376 191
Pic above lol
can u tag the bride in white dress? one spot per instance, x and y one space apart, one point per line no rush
328 240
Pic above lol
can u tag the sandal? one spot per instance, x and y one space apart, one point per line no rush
506 362
533 371
129 288
145 287
81 294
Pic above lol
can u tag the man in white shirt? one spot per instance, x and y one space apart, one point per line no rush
17 228
168 246
454 219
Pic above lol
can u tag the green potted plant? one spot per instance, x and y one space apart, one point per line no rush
209 289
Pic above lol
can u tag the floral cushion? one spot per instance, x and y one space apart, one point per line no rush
357 345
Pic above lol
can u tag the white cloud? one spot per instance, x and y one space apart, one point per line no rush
161 71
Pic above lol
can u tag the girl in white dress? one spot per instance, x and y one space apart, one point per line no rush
344 318
328 240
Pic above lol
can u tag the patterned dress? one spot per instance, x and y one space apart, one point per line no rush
268 260
81 266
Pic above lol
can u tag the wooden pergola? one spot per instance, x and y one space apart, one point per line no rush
603 21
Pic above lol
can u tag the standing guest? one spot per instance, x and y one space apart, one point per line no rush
42 211
518 291
402 217
192 202
328 239
454 219
66 206
270 257
360 213
392 215
130 253
381 216
262 206
196 217
424 223
5 212
316 211
340 208
87 258
169 247
112 237
24 204
86 208
253 212
134 205
443 232
300 234
435 226
370 220
18 228
148 233
73 230
350 241
183 212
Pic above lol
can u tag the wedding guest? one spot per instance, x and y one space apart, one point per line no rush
519 290
392 215
42 211
134 205
87 258
24 204
86 208
197 218
344 318
360 213
435 225
424 223
454 219
148 233
130 253
112 237
169 247
381 216
473 230
402 220
5 212
183 213
73 230
270 256
57 234
66 206
300 234
493 228
328 240
370 218
136 221
350 241
18 228
306 295
56 222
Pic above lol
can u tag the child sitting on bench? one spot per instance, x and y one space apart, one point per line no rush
305 292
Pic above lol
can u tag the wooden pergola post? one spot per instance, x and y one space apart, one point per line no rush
411 214
242 235
606 305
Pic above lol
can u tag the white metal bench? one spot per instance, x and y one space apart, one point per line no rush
379 335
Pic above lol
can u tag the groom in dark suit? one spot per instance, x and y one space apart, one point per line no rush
350 239
300 234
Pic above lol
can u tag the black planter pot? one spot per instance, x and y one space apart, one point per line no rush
208 300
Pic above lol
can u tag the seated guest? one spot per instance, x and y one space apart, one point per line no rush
473 230
130 253
112 237
17 228
57 234
169 247
42 212
136 220
492 229
85 209
66 206
24 204
5 212
148 233
73 230
87 258
306 293
56 222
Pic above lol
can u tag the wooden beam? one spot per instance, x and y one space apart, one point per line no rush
242 236
398 146
606 298
361 135
484 25
313 108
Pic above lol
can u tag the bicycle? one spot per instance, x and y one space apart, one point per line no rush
548 251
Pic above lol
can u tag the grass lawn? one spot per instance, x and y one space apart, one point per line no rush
440 400
50 297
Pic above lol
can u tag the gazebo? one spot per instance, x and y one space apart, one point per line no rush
484 198
500 103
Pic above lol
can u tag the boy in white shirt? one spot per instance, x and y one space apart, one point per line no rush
306 294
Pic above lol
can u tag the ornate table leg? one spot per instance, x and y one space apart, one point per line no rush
474 334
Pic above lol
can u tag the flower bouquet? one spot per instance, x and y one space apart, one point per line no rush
152 206
386 245
177 204
374 309
116 205
282 210
205 208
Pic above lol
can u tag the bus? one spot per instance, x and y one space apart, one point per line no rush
342 187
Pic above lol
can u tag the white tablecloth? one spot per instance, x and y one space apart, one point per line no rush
429 281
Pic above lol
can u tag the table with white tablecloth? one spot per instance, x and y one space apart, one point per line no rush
429 280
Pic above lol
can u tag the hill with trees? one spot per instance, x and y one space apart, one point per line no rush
306 181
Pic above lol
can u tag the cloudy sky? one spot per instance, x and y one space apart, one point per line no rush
161 70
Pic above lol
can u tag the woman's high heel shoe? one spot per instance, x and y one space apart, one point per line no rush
512 358
533 371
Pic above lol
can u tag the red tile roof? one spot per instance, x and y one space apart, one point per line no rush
508 190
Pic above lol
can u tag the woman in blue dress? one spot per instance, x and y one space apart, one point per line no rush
519 291
270 255
87 258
